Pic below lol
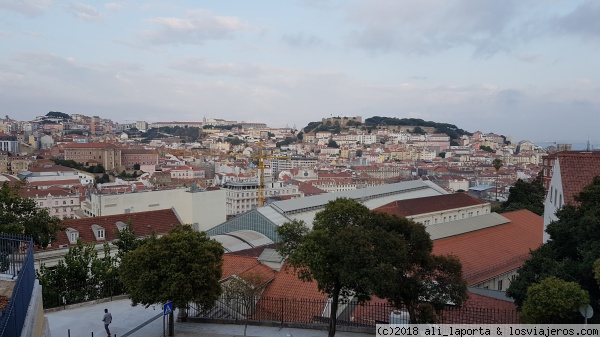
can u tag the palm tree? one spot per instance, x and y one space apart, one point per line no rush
497 163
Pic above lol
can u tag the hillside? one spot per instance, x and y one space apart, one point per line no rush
417 124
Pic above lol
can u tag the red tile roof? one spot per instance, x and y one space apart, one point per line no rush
491 251
142 223
577 170
289 298
477 309
432 204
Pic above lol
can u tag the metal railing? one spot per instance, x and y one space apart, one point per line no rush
16 261
351 313
67 294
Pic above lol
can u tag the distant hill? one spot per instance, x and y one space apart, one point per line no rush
371 123
58 114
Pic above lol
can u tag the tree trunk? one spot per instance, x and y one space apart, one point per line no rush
411 313
182 314
334 308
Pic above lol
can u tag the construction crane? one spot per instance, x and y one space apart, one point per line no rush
261 169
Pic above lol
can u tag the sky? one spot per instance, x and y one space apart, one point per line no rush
529 69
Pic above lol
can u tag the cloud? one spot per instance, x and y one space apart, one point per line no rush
528 58
197 27
200 66
302 40
583 21
85 12
31 8
430 26
114 6
509 98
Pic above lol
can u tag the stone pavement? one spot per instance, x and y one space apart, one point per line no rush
85 321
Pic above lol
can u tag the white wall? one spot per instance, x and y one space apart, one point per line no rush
204 208
550 204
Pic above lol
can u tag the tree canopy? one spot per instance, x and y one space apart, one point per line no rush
408 273
553 301
335 253
526 195
352 251
20 215
182 266
571 251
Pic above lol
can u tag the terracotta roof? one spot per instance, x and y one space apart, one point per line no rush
432 204
289 298
237 264
577 171
43 193
477 309
142 223
51 168
491 251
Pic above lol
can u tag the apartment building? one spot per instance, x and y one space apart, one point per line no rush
106 154
59 202
243 196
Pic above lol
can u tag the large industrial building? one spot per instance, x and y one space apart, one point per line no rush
266 219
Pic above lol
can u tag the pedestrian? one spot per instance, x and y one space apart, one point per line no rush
107 319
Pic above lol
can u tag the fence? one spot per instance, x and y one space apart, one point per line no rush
350 313
16 262
57 295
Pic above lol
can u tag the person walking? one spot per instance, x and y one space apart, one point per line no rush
107 319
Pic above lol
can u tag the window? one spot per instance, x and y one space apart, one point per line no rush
100 233
500 285
71 201
551 191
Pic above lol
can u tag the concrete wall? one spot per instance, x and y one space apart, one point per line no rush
204 208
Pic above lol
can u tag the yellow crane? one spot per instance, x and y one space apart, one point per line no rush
261 169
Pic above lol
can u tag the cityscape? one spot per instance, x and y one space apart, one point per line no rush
303 168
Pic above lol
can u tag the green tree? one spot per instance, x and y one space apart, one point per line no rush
526 195
335 253
359 153
136 166
419 130
182 266
20 215
442 154
553 301
407 272
80 276
486 148
571 251
333 143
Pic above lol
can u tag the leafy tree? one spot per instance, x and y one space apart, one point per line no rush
486 148
103 179
58 114
20 215
126 241
334 253
80 276
333 143
359 153
419 130
442 154
553 301
526 195
408 273
182 266
571 252
136 166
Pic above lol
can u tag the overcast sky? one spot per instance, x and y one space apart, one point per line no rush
528 69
